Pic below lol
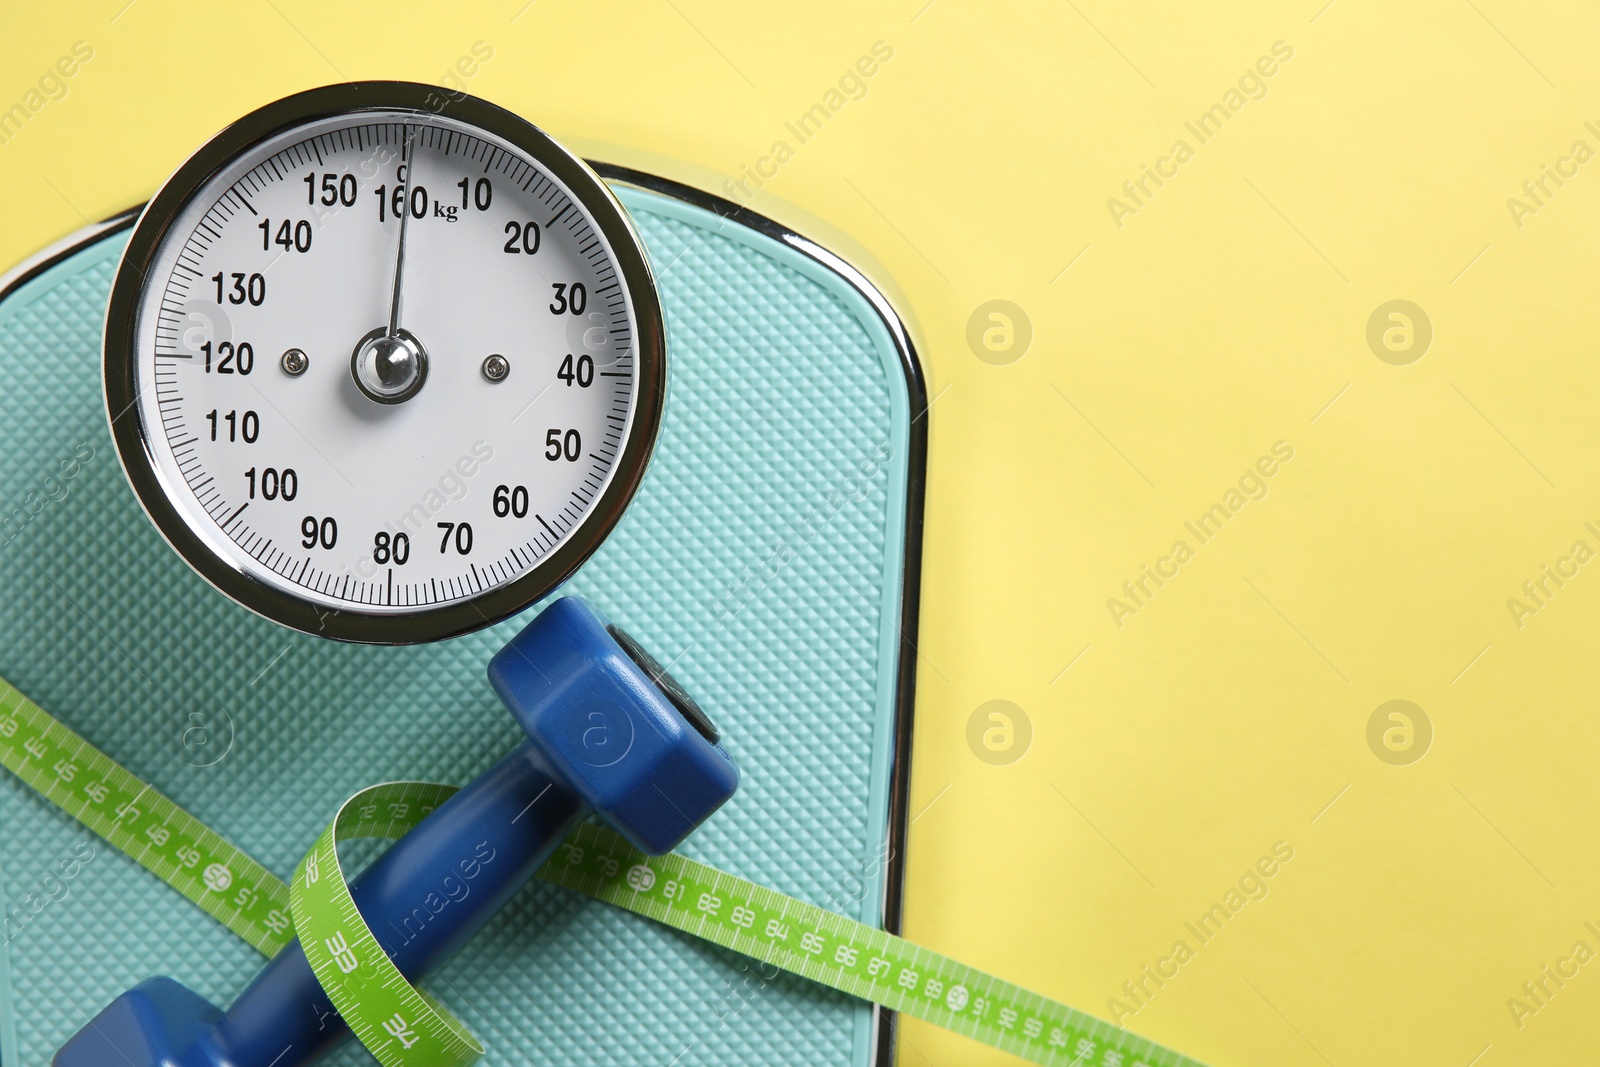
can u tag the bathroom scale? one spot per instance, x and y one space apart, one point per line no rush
771 552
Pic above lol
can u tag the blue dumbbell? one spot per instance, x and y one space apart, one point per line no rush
608 731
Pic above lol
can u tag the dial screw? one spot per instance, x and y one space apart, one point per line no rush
496 367
294 362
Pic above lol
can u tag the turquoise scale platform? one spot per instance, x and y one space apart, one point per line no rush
787 389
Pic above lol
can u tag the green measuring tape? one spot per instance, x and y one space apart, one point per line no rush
399 1023
160 836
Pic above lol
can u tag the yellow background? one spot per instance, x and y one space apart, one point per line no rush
1223 316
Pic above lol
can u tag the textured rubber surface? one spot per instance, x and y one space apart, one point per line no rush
784 387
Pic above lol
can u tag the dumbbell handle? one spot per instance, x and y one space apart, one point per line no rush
466 859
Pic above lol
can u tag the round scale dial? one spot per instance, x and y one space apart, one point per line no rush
382 364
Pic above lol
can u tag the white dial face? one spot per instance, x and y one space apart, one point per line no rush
367 449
